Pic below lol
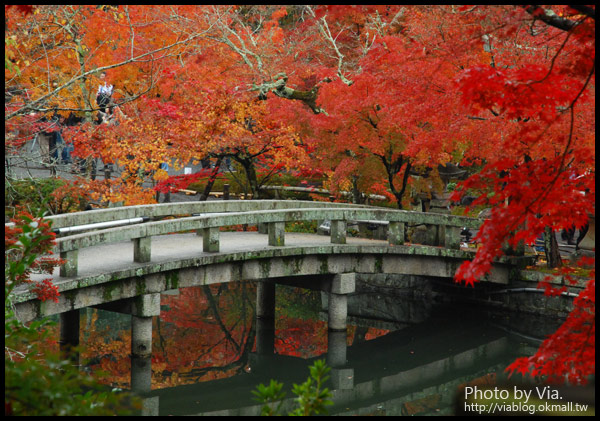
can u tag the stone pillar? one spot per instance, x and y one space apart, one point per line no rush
336 348
69 336
396 233
338 232
432 237
342 377
265 318
225 191
276 233
210 239
452 237
265 299
338 312
143 308
141 383
342 285
69 269
263 228
142 249
141 336
265 336
141 374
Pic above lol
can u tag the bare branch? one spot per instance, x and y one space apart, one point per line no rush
324 28
34 104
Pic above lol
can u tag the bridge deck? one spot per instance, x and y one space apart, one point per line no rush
113 257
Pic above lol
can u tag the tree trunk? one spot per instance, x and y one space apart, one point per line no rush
392 169
551 249
251 176
356 194
211 180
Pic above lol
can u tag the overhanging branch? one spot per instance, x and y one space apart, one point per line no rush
280 88
549 17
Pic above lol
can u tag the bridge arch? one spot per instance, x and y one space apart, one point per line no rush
124 269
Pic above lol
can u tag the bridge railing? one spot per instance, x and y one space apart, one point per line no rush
161 210
208 224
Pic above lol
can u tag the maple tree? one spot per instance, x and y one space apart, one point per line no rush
28 244
365 95
538 98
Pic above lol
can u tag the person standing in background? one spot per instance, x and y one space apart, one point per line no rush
104 94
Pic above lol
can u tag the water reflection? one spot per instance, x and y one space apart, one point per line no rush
210 352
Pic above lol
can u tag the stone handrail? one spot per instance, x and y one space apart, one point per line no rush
208 226
182 208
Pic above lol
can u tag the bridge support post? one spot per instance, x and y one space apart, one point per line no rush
338 232
336 348
141 336
342 285
276 233
142 249
265 299
265 336
265 318
210 239
70 267
396 233
342 377
142 309
338 312
69 336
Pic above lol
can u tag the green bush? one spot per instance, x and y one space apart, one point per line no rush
38 382
312 398
53 195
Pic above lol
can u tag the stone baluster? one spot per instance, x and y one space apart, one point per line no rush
396 233
69 268
142 248
338 232
276 233
452 237
210 239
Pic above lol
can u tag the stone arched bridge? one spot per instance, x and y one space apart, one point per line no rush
105 265
121 259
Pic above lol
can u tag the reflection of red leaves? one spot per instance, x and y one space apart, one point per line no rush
300 338
374 333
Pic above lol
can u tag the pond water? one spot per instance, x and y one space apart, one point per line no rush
209 352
